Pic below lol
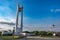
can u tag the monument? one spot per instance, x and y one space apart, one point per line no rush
18 29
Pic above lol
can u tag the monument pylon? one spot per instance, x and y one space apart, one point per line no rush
18 30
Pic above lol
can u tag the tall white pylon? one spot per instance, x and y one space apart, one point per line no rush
18 30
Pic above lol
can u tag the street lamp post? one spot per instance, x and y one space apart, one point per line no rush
53 26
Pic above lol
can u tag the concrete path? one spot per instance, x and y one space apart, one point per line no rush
38 38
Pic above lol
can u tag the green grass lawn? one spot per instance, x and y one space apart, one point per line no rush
9 37
16 37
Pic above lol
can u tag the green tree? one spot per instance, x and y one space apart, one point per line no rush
49 33
42 33
36 32
0 33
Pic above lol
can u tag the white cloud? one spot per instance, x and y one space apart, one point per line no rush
6 27
10 20
7 20
6 14
42 24
51 10
55 10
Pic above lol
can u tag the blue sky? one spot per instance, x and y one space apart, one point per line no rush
38 14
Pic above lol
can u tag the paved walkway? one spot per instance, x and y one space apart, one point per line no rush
38 38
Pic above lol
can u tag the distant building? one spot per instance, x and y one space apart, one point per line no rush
27 33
